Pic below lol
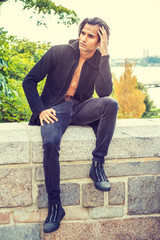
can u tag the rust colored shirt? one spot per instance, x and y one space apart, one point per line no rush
75 79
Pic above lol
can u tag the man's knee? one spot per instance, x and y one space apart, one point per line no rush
52 142
110 104
114 104
51 135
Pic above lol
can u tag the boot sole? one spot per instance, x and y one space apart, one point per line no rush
102 189
99 188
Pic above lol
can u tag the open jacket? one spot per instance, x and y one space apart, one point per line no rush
59 64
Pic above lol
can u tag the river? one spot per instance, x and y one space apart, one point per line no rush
145 75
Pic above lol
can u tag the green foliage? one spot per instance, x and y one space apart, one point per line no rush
15 108
151 110
4 88
66 16
18 56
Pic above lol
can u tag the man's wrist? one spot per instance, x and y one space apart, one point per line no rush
104 52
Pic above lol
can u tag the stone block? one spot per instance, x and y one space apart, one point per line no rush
67 171
75 231
124 229
20 232
37 152
76 213
107 212
29 216
91 197
139 134
134 147
144 195
37 149
132 168
14 143
42 200
75 171
39 173
116 195
15 187
4 217
77 144
70 195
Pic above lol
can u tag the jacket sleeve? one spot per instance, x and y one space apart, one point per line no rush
37 74
103 83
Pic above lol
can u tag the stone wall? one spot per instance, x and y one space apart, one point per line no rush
130 211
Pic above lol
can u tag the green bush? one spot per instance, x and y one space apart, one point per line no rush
18 56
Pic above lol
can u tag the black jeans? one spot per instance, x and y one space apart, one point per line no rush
100 113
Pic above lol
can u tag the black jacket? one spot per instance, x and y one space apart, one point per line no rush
59 64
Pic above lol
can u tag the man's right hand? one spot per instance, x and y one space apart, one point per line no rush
48 115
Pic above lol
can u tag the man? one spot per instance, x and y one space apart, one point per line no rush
72 72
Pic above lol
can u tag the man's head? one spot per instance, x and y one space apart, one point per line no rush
94 21
89 38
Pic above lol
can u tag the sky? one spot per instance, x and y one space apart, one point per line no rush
134 24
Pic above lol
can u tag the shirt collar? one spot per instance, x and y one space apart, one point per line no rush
93 61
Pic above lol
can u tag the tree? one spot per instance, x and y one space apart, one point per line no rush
66 16
151 110
131 99
18 56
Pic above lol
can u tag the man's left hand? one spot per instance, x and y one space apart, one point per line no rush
104 41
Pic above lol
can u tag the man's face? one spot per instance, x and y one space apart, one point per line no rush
88 39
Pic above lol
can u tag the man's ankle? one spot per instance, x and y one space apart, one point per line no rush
98 176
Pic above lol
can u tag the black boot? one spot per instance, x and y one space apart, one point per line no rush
55 215
99 178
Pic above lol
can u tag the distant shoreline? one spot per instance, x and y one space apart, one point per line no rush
152 61
137 65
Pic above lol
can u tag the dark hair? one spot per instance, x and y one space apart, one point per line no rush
94 21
